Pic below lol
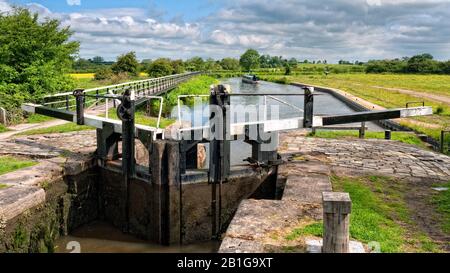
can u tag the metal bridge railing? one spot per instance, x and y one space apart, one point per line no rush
143 87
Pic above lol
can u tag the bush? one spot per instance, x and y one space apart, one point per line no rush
439 110
126 63
103 74
119 78
160 67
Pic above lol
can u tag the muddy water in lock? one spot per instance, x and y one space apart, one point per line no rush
100 237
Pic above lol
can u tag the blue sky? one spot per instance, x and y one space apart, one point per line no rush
316 30
189 9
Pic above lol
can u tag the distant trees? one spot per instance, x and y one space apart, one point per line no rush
230 64
160 67
163 67
177 66
195 64
98 60
126 63
35 56
250 60
211 65
421 64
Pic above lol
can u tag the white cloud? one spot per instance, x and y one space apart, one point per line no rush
4 6
320 29
73 2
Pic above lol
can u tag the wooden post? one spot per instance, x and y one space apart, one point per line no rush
308 107
80 103
362 130
387 134
336 222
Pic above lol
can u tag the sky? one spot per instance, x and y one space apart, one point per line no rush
305 29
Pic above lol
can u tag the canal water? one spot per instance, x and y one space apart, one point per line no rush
102 237
324 104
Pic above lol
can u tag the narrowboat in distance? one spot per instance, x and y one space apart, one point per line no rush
252 79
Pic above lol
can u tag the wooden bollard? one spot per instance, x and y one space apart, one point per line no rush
336 222
362 130
387 134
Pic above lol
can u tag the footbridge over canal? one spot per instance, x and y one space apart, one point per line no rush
172 200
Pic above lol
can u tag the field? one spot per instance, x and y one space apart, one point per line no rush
391 91
90 76
86 80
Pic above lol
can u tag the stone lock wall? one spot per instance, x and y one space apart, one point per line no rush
167 208
69 203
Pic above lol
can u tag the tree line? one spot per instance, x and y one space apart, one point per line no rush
418 64
252 60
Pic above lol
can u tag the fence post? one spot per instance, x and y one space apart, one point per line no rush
387 134
3 118
308 107
337 207
67 102
79 98
362 130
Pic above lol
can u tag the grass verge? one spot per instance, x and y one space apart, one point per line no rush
405 137
372 87
36 118
442 202
199 85
9 164
3 128
63 128
379 214
143 119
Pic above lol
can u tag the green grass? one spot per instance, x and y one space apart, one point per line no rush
9 164
143 119
63 128
409 138
365 86
3 128
199 85
380 214
3 186
315 229
36 118
87 83
442 202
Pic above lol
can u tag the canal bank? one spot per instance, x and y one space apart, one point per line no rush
293 223
359 105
